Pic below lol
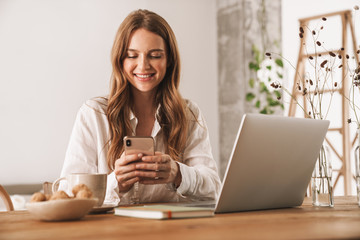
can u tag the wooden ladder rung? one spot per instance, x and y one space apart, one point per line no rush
335 129
307 19
322 53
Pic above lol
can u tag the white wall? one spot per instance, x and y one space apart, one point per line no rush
56 54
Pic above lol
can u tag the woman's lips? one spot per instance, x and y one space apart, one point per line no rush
144 77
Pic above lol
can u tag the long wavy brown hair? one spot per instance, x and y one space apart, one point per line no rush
172 110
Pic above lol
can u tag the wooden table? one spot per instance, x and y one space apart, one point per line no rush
305 222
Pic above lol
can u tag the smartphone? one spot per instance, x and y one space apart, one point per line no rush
136 145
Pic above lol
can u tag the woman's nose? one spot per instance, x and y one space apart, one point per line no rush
143 63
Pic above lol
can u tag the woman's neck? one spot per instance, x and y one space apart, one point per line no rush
144 103
144 109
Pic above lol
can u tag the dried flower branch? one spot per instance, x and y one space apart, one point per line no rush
314 84
321 79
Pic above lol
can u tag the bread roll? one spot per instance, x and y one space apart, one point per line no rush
38 197
84 193
59 195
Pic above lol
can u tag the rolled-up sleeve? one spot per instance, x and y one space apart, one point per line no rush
200 179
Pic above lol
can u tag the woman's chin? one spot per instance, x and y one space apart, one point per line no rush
144 89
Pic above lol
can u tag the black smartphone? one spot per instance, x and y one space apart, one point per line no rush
136 145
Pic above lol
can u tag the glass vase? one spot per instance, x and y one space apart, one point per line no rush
357 168
321 184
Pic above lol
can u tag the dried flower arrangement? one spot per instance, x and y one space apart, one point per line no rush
317 88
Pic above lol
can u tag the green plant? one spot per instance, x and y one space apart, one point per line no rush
265 71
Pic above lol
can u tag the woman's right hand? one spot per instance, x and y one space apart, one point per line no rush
125 171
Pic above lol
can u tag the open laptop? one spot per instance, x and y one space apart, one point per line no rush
271 163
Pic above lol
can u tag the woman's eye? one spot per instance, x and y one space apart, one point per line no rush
131 56
155 56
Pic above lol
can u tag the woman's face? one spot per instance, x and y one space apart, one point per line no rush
145 62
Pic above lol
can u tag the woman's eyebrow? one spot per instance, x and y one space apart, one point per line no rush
157 50
150 51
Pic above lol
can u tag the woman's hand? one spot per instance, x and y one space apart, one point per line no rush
125 171
158 169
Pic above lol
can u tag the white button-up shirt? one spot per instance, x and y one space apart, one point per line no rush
87 153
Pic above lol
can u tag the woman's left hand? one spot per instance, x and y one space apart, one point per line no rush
158 169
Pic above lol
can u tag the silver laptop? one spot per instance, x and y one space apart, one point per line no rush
271 163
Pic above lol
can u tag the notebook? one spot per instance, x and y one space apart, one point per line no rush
163 212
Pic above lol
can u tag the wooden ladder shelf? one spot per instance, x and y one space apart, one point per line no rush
344 130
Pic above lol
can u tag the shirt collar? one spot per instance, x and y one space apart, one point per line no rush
132 115
134 122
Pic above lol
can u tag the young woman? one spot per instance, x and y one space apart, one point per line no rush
144 101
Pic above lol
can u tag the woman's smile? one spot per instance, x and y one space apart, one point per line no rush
144 77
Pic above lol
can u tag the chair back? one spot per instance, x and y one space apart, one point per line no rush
6 198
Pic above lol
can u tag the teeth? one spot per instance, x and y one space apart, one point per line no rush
143 76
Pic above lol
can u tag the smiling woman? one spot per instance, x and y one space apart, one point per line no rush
144 100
